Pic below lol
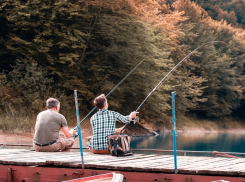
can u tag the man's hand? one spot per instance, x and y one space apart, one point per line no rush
68 133
133 115
72 131
118 130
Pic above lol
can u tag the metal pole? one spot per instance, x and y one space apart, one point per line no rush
79 129
174 132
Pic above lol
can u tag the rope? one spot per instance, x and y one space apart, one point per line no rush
216 153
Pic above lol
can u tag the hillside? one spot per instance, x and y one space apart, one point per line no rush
51 48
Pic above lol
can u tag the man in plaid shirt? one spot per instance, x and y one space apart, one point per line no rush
104 124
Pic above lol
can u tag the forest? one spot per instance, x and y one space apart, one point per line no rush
49 48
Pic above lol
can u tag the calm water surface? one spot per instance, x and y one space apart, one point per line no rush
193 141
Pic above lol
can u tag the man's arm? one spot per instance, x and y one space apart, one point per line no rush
68 133
125 119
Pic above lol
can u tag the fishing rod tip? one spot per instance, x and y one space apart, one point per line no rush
223 42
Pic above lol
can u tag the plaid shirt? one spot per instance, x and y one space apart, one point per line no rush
103 125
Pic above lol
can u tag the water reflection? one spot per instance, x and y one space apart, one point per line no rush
193 141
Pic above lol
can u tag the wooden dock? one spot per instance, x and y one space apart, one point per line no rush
148 167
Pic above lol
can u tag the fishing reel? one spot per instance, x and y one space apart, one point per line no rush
75 136
136 119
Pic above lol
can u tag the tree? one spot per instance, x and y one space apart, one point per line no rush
214 63
5 26
25 87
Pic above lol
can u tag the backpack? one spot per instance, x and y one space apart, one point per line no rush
119 145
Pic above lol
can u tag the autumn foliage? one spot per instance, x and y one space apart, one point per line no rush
51 48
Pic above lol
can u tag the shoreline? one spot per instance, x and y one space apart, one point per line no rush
86 133
152 127
27 137
238 131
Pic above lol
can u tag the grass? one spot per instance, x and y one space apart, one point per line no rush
187 123
72 121
20 123
11 123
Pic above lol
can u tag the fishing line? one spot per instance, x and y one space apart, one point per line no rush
167 76
109 94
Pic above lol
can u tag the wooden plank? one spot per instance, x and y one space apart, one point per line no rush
67 160
20 158
137 162
212 165
106 159
132 160
233 168
114 164
213 168
206 163
204 166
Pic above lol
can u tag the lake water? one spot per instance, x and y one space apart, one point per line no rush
190 141
193 141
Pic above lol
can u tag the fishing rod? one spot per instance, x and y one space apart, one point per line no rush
109 94
136 119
